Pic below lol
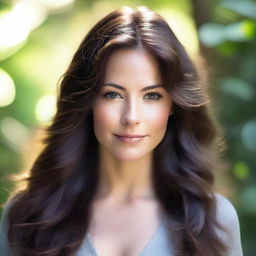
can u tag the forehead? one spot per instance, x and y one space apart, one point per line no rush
132 67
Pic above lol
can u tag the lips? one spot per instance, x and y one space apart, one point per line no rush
130 139
130 135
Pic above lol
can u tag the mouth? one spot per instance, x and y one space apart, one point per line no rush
130 139
130 135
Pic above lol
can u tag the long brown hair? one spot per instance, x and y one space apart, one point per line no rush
51 216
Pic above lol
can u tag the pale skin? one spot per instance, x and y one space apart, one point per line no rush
125 193
126 213
126 168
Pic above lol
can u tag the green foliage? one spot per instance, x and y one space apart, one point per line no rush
231 33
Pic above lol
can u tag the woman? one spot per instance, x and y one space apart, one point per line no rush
128 159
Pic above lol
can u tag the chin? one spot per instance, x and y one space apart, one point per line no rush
129 157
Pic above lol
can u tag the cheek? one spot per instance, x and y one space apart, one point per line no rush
158 118
104 117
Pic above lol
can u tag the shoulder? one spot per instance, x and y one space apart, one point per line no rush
4 245
227 217
6 207
4 218
226 212
4 226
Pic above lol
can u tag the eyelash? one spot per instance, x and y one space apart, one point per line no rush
159 96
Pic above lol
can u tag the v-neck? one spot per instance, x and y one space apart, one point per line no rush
152 238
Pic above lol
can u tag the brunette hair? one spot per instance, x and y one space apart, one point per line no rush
52 214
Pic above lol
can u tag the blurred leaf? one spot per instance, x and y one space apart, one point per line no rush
249 28
5 5
245 8
212 34
248 67
227 49
240 31
249 135
225 15
247 200
237 87
241 170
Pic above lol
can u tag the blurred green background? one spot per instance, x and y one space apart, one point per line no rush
39 37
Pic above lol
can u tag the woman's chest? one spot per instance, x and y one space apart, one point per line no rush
123 231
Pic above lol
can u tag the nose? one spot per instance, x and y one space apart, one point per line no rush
131 113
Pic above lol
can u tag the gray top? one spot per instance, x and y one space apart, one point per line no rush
157 245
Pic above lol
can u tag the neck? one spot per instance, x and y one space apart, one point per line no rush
125 181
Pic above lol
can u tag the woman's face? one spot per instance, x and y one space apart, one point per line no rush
131 102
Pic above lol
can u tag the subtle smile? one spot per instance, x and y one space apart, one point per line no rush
130 139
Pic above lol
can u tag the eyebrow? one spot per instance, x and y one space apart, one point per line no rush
123 89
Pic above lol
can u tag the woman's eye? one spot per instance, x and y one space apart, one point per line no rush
110 95
115 95
153 96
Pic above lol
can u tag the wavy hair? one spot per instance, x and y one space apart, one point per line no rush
52 214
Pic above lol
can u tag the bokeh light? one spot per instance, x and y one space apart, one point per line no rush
241 170
45 109
16 25
14 132
7 89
